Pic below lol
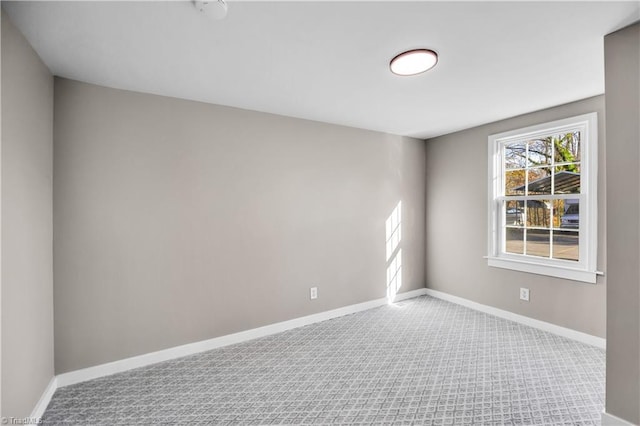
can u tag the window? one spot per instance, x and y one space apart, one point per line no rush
542 199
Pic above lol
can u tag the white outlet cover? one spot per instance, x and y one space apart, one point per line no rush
524 294
313 292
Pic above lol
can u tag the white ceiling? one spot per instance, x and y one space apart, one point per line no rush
328 61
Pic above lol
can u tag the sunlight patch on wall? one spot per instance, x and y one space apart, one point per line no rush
393 227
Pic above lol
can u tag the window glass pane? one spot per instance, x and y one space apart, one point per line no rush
538 213
567 147
567 214
515 156
567 179
539 181
538 242
514 182
558 212
568 167
566 245
540 151
514 213
514 240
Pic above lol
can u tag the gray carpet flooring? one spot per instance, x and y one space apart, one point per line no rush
421 362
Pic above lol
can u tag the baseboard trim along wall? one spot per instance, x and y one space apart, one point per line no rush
42 404
110 368
611 420
126 364
598 342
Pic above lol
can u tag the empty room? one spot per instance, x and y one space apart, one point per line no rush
329 212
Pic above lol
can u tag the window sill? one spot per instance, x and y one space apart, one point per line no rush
557 271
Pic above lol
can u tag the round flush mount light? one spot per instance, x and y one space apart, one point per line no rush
413 62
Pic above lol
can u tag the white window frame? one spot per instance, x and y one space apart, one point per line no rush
583 270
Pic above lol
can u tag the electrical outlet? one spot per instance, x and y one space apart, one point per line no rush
313 293
524 294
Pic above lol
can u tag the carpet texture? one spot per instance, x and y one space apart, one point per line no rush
423 361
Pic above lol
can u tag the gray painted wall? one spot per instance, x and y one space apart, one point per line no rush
177 221
456 226
27 277
622 82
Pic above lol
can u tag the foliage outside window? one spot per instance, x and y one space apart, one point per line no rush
542 207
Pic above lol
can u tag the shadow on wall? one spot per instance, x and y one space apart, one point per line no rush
393 227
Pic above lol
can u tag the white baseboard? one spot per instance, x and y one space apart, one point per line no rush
598 342
611 420
42 404
107 369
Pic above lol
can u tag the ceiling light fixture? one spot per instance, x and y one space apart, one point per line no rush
216 9
413 62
